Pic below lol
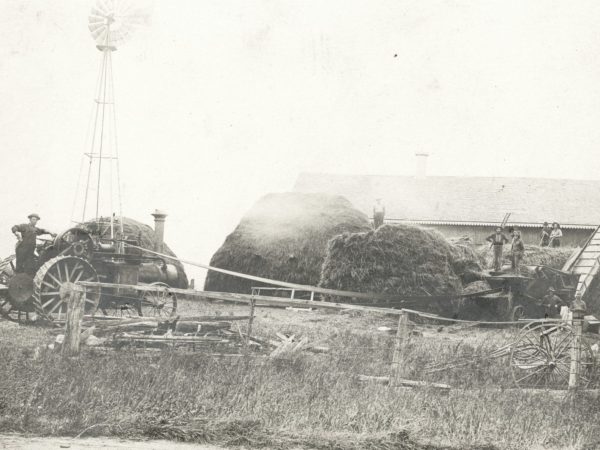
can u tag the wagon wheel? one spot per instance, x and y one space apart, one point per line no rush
53 275
158 304
541 357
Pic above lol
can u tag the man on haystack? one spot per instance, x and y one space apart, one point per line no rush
378 213
497 240
26 234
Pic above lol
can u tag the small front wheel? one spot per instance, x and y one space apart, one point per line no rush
160 303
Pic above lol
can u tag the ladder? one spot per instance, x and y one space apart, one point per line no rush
585 262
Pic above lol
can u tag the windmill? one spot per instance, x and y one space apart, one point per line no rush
111 24
87 254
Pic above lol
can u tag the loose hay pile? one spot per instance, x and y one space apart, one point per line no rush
534 255
397 260
283 237
467 262
547 256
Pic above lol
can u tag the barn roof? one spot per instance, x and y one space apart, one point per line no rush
466 200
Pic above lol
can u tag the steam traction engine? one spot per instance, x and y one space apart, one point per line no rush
92 252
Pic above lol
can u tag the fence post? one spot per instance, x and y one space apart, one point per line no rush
75 304
578 308
250 320
402 336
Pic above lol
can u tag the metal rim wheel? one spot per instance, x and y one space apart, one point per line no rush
53 275
158 304
541 357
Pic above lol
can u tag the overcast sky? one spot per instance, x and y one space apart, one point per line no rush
221 102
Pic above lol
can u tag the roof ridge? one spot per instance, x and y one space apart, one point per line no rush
445 176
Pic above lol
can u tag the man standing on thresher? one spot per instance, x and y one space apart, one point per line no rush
26 234
517 252
497 240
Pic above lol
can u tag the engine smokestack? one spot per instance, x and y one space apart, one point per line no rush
421 164
159 229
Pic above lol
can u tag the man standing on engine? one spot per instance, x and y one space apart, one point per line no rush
26 234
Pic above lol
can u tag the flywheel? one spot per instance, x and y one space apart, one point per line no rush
51 277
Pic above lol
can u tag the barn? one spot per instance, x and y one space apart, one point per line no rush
471 206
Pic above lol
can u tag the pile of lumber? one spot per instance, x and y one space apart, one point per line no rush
219 333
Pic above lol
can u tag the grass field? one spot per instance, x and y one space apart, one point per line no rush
302 401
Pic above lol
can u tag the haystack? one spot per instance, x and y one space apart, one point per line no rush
147 238
283 237
396 260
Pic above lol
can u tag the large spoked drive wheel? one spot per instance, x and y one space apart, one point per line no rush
56 273
541 357
160 304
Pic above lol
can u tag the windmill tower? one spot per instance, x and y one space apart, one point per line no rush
111 23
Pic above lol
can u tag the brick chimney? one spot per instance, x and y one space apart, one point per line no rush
159 229
421 165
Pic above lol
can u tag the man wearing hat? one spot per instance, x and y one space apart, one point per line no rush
552 303
26 234
378 213
497 241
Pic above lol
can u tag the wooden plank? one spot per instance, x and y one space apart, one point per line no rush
219 318
150 338
585 264
247 298
404 383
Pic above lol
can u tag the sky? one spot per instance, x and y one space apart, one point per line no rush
219 103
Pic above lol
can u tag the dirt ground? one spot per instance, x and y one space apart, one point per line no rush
15 441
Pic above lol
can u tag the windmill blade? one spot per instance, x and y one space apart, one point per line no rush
112 22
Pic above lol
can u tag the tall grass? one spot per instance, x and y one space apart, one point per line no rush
304 400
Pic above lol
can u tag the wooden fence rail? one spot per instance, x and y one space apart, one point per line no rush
242 298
